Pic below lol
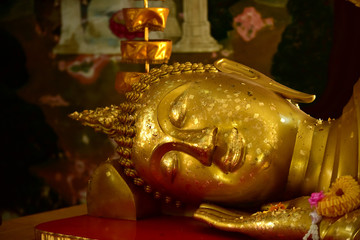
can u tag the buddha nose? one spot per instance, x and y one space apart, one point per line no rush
198 143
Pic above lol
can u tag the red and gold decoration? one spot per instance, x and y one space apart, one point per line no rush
144 51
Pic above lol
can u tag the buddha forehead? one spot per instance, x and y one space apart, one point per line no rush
218 94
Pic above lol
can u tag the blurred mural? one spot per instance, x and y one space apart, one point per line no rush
85 26
62 56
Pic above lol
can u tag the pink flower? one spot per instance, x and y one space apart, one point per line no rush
315 198
249 22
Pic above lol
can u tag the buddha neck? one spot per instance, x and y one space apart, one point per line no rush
326 150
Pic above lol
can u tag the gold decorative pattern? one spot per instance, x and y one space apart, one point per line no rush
146 19
137 19
44 235
152 51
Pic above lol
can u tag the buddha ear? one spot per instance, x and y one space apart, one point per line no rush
228 66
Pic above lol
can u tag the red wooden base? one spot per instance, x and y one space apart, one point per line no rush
162 227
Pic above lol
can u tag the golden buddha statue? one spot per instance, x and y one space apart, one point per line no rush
224 134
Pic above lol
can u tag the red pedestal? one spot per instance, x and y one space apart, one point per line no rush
162 227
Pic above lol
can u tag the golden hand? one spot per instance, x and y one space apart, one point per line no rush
293 222
290 223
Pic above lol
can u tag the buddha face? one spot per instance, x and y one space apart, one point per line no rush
214 137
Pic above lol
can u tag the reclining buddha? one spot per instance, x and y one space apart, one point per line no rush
225 135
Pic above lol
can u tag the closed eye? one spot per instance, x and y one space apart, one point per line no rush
177 114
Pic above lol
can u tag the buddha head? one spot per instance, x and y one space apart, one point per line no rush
195 133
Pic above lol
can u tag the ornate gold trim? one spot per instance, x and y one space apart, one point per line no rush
153 51
137 19
44 235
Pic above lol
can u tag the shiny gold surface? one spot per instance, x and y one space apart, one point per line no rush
198 135
124 80
226 135
228 66
334 150
137 19
110 194
153 51
290 223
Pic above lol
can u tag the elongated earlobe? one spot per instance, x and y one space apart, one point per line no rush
228 66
